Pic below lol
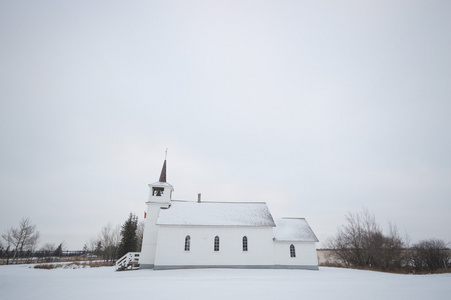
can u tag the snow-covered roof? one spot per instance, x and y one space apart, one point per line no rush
216 214
293 229
160 184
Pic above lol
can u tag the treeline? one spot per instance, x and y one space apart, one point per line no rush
38 256
114 241
361 243
20 244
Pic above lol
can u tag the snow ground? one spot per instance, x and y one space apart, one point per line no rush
24 282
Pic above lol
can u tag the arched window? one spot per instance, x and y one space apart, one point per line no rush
292 251
216 243
187 243
244 243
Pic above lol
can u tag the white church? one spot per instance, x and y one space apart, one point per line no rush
199 234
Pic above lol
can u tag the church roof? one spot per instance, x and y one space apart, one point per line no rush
294 230
216 214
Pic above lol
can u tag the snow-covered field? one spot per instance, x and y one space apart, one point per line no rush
22 282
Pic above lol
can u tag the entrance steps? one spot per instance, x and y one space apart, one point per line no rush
129 261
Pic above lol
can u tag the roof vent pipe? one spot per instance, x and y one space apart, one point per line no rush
198 198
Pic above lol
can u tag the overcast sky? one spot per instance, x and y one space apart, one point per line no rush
317 108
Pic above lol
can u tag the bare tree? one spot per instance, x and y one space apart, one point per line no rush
116 240
46 252
430 255
2 248
361 243
91 247
110 238
354 241
48 248
7 252
140 234
23 238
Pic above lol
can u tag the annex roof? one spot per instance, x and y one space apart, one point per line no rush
294 230
189 213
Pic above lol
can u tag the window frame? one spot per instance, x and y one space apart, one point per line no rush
216 244
292 251
187 243
245 244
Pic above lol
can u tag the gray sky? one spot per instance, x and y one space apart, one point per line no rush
315 107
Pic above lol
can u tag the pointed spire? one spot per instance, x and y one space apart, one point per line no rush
163 173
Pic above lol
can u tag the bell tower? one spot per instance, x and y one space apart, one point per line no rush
159 198
161 191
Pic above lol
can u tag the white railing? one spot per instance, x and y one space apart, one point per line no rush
131 259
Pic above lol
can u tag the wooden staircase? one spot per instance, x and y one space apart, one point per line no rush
129 261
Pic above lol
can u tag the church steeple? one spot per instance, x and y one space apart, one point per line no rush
161 191
163 173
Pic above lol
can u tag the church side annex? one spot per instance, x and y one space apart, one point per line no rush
198 234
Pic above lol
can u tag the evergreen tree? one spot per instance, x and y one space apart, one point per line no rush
129 240
59 250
